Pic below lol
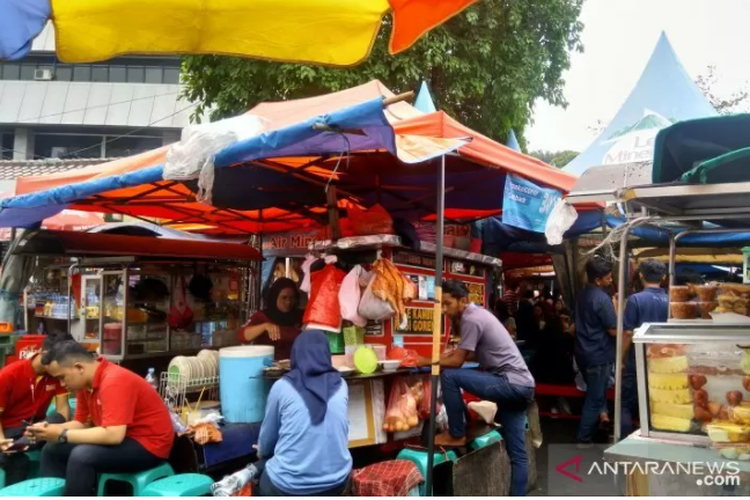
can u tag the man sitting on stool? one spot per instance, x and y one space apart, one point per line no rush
121 424
26 391
504 379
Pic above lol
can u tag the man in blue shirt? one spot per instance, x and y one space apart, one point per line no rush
596 327
649 306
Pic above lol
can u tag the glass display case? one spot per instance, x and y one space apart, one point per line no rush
694 382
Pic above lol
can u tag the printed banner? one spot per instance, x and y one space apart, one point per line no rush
526 205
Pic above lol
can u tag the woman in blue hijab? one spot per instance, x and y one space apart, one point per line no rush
304 435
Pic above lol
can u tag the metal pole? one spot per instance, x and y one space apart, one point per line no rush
437 325
623 267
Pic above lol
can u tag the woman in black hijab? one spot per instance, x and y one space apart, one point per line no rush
279 323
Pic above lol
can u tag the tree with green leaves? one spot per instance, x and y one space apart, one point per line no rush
485 67
555 158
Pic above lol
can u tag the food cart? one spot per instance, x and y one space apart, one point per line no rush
122 292
693 373
368 393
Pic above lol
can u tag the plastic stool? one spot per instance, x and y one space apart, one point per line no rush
181 485
485 440
138 480
39 487
2 478
419 458
35 463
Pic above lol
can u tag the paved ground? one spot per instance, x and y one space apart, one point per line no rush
561 436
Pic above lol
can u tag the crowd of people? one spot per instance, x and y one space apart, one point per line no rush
581 349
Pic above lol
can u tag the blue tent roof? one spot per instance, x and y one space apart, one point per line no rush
424 102
664 94
512 142
296 140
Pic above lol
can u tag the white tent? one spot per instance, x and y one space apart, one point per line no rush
664 94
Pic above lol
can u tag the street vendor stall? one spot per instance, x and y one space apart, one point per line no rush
140 298
300 164
694 371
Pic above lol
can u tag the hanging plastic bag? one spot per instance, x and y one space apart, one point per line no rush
401 413
180 314
561 218
349 297
371 307
323 311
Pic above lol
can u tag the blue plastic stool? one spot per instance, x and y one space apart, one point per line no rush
53 407
485 440
138 480
181 485
39 487
419 458
35 463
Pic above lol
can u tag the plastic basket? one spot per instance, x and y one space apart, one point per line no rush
335 342
354 335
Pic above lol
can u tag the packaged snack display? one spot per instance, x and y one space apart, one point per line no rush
680 294
683 310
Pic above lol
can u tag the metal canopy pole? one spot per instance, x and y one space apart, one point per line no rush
437 330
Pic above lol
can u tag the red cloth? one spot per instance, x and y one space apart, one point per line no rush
394 478
24 395
282 348
120 397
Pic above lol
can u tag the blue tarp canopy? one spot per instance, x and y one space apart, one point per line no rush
498 237
660 237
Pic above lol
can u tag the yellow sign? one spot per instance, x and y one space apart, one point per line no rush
476 293
419 321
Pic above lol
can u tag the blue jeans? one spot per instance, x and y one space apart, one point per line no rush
597 381
511 400
629 403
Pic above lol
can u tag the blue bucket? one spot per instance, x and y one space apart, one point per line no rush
243 390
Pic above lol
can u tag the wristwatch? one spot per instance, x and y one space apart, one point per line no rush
63 437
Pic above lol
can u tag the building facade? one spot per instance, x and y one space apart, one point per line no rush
51 110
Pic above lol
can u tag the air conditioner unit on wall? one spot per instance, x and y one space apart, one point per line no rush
42 74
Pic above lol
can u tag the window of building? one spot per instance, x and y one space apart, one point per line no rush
6 145
11 71
67 146
147 71
100 74
117 74
136 74
171 75
64 73
81 73
27 71
127 146
154 75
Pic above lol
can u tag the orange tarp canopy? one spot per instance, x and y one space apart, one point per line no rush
482 159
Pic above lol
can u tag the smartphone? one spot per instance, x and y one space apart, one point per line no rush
17 446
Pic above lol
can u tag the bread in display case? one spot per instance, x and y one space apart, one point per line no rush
694 381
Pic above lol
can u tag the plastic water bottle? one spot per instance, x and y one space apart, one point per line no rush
151 379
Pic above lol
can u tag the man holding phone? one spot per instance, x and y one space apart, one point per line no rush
26 391
121 424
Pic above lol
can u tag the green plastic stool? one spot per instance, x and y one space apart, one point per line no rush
138 480
485 440
181 485
35 463
39 487
2 478
419 458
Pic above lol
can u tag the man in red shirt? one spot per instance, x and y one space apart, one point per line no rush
26 391
121 424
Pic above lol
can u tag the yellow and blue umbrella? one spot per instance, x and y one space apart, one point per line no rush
330 32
